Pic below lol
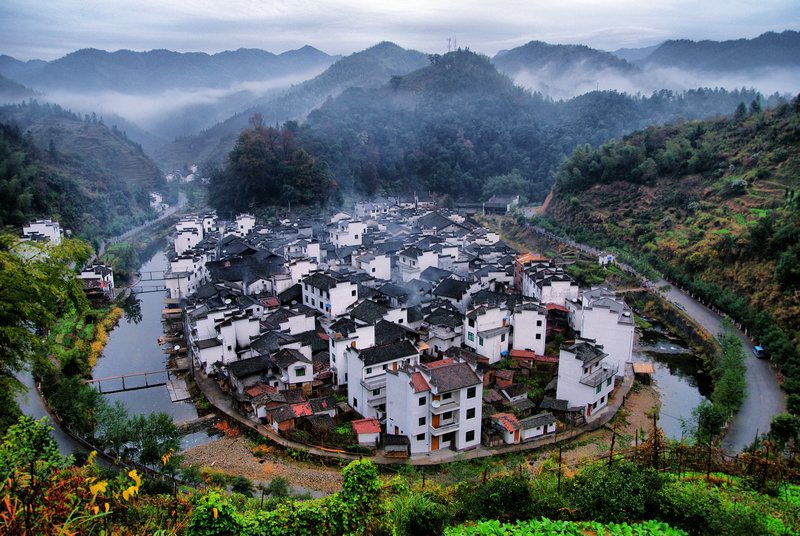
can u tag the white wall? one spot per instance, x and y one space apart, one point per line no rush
530 330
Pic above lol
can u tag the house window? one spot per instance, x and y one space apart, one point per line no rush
376 392
356 237
503 337
447 396
230 348
480 341
355 402
369 370
300 371
447 415
471 435
422 401
471 413
422 421
608 382
603 399
420 437
598 388
539 323
471 337
471 323
353 293
538 336
471 392
373 270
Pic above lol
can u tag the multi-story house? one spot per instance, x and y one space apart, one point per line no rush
598 314
366 369
530 327
329 295
436 406
585 377
43 230
486 331
549 284
412 261
347 232
376 265
346 333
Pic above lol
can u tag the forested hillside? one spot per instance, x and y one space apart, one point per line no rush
369 68
713 205
451 126
56 164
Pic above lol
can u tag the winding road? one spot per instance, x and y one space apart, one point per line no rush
764 397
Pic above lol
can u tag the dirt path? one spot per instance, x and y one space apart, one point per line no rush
232 456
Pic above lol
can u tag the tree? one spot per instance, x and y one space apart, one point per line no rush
37 284
153 437
508 184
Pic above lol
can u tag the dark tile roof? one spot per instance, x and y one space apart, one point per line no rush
450 288
343 325
586 352
369 311
412 252
321 281
393 291
271 341
248 367
445 317
388 332
387 352
452 376
541 419
287 356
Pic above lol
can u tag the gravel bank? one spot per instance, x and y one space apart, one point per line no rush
231 455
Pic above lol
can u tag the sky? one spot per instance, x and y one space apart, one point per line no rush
48 29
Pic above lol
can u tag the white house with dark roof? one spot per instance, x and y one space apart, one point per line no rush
456 292
538 426
549 284
290 369
487 331
328 295
436 406
444 328
376 265
98 276
346 232
244 224
412 261
585 377
366 368
346 333
598 314
530 327
43 231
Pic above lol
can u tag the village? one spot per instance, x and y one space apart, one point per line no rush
396 330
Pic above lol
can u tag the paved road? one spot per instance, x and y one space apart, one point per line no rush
129 233
764 397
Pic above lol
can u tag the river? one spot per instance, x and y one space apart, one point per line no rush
133 347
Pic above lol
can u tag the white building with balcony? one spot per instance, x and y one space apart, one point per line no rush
437 406
346 333
366 369
585 377
412 261
487 331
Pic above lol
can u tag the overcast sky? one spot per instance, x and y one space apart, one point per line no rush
51 28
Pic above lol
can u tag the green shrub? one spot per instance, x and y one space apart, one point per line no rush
503 497
243 485
621 492
416 514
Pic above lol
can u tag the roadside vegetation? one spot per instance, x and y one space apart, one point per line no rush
632 494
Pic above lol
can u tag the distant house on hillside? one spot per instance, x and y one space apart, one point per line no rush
500 204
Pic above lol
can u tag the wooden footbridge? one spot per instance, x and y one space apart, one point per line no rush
176 385
155 278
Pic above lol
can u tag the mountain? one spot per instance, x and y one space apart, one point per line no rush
458 124
767 50
634 54
11 91
88 175
537 55
127 71
714 205
564 71
369 68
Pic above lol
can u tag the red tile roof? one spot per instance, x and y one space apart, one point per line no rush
259 389
508 421
533 356
440 363
557 307
366 426
302 409
419 383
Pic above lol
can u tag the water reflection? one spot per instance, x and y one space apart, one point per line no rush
679 378
132 306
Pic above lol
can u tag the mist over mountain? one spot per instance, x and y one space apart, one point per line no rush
457 124
168 93
768 63
368 68
11 91
77 169
767 50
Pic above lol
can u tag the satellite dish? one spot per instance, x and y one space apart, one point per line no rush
227 301
176 347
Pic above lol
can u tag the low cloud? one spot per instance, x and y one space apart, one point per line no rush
558 83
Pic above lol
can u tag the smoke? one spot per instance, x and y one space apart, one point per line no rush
176 111
563 83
